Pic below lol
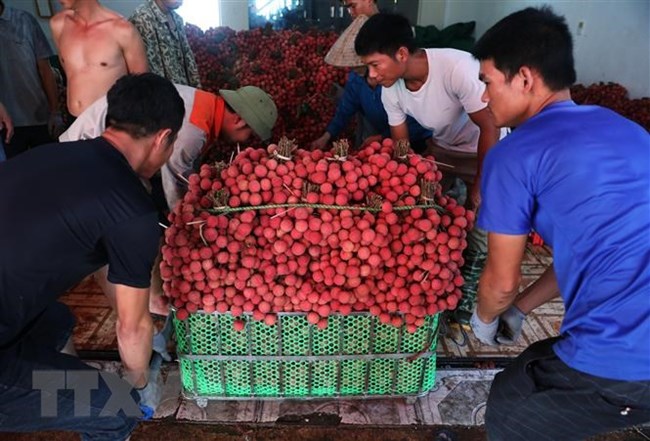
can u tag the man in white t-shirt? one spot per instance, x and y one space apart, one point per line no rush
440 88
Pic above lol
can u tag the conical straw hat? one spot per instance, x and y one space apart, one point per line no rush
342 53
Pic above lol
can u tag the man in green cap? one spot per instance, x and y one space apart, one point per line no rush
231 116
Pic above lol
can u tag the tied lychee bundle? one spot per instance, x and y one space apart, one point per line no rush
290 230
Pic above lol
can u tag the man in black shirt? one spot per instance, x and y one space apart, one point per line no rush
67 210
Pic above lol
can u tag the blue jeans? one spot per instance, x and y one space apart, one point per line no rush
38 391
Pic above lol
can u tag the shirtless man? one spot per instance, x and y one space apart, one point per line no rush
96 47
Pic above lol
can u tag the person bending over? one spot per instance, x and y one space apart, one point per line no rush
566 171
75 207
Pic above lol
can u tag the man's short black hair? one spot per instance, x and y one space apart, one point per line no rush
385 33
143 104
533 37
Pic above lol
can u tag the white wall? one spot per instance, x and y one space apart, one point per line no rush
234 14
432 12
614 46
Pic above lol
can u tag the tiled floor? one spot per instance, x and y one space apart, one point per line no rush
457 399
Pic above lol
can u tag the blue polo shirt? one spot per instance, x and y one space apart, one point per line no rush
580 176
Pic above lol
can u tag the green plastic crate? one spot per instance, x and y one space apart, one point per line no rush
355 356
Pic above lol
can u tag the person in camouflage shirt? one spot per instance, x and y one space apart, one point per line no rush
168 51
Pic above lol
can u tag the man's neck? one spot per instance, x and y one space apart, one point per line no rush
131 149
541 99
417 70
373 10
87 10
549 98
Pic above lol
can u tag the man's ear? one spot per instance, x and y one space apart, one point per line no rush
527 77
402 54
163 139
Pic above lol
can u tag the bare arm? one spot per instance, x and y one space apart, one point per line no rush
539 292
135 53
134 331
49 84
399 132
489 135
499 282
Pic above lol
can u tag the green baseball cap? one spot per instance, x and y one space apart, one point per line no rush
255 107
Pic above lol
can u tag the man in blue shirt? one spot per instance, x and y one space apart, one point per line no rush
579 176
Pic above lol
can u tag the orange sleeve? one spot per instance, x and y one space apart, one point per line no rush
207 114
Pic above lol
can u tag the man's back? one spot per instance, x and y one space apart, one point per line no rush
73 207
96 46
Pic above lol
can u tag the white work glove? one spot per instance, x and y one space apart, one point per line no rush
484 332
510 326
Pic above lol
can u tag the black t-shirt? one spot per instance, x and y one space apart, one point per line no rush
66 210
